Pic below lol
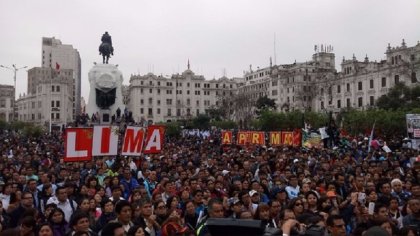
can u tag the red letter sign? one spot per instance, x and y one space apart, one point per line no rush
154 140
226 137
133 141
105 140
78 143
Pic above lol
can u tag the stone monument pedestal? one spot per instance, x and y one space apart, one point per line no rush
105 95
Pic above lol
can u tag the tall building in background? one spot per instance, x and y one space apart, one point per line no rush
7 95
63 56
49 99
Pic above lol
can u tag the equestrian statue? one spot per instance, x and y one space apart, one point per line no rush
106 49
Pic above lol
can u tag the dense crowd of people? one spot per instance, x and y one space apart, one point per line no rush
194 179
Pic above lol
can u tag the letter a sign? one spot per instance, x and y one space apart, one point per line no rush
154 140
226 137
78 144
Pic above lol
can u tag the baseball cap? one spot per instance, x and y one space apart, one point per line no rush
252 192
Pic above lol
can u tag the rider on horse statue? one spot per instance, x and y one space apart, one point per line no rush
106 49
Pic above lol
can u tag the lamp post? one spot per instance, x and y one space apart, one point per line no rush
15 69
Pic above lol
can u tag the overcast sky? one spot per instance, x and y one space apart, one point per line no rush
215 35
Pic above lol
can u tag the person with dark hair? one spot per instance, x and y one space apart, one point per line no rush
147 220
190 216
413 219
26 203
124 214
336 225
215 210
79 223
107 215
113 229
263 213
45 230
63 202
26 228
58 223
160 209
136 230
296 205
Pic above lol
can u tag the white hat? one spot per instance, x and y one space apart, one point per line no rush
252 192
295 160
225 172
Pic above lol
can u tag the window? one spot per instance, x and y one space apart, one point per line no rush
57 103
178 112
383 82
396 79
322 105
360 101
158 102
348 87
169 112
158 111
158 91
413 77
57 88
150 112
141 110
57 116
372 100
198 112
52 88
360 86
141 102
274 93
339 103
150 101
3 103
150 91
188 102
52 103
168 101
150 83
198 102
158 83
371 83
141 82
168 91
348 102
338 89
217 85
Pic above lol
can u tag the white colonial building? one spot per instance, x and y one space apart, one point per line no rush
156 98
7 94
316 85
49 97
55 54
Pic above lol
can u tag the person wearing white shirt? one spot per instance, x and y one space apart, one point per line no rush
63 202
293 189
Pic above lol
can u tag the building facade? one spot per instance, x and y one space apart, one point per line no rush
62 56
7 95
155 98
50 97
316 85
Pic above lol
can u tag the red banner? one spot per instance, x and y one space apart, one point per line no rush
154 139
275 138
244 137
297 138
78 144
226 137
287 138
258 138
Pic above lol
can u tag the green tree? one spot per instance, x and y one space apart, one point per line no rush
265 103
202 121
400 97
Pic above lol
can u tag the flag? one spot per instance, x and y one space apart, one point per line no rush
371 136
57 67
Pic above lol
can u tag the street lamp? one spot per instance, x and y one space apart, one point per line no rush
15 69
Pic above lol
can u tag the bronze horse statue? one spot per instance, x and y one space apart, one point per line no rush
106 50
